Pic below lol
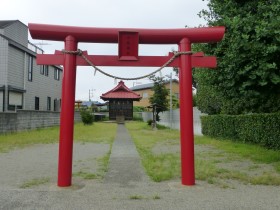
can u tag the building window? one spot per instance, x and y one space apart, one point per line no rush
55 105
145 95
56 74
46 70
37 103
14 100
49 103
30 68
42 69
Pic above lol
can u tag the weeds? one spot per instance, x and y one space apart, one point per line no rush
166 166
34 182
85 175
104 163
136 197
156 197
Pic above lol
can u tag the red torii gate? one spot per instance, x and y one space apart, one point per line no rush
128 40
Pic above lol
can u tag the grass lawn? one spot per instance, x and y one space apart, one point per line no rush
102 133
216 161
158 166
96 133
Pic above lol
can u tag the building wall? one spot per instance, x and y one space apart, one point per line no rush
18 32
147 93
120 107
15 67
1 100
41 86
3 60
3 70
14 82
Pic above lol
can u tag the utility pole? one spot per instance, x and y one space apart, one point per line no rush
90 94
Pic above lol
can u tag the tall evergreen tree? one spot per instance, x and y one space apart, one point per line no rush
247 79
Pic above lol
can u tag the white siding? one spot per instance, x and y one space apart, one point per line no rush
3 60
14 73
17 32
16 67
1 101
3 68
41 86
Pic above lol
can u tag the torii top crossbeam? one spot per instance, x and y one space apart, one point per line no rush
111 35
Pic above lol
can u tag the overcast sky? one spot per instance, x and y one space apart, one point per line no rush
111 14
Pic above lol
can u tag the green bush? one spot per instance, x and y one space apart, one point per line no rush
149 122
194 100
138 108
87 117
161 127
262 129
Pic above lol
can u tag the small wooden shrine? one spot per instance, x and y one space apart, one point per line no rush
120 101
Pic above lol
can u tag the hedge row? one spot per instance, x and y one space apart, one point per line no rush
262 129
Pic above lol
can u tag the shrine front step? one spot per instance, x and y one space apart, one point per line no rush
120 119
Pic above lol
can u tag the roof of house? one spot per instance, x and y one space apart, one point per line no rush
149 85
6 23
90 103
144 86
121 91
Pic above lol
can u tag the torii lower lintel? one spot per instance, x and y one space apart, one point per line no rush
198 60
72 35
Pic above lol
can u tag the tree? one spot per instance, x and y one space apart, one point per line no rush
247 79
160 95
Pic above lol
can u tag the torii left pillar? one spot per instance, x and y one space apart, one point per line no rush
67 115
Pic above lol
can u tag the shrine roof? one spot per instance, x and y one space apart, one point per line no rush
121 91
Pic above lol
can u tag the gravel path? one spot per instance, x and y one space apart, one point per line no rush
124 187
125 166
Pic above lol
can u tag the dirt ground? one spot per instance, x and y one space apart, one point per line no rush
28 181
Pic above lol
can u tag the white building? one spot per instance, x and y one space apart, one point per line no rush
23 83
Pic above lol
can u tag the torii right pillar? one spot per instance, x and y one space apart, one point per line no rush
186 115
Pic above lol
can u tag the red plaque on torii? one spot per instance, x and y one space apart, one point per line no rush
128 40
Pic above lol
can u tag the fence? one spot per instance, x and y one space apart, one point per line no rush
174 123
28 120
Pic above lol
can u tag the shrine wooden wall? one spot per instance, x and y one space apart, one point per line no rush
120 107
